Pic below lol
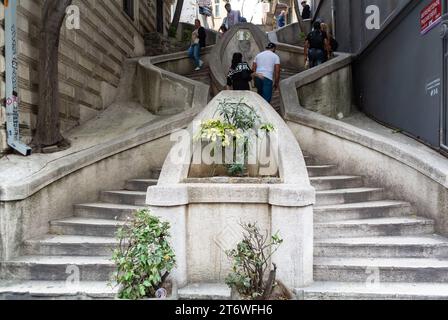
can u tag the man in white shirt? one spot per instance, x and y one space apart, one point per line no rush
233 16
267 69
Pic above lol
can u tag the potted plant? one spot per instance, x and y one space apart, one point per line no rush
144 259
250 279
237 127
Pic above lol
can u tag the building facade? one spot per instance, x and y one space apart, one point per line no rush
253 10
90 60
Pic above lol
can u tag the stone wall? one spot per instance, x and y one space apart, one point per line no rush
90 62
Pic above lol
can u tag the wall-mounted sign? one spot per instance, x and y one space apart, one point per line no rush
433 88
430 16
11 79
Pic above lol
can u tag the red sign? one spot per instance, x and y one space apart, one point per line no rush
430 16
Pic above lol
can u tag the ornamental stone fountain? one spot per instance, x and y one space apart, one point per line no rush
205 213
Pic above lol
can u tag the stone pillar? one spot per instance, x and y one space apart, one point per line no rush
170 204
294 258
292 218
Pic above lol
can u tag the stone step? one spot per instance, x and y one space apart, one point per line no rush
57 268
56 245
369 270
205 291
56 290
362 210
373 228
321 170
351 195
425 246
85 227
336 182
135 198
106 211
380 291
140 184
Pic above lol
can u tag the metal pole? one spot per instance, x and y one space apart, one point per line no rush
333 17
12 88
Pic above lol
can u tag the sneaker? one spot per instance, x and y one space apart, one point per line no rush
197 69
201 63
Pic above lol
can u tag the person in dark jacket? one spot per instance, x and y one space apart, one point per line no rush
240 74
198 41
317 48
306 13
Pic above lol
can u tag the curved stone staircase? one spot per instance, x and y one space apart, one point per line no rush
367 246
77 247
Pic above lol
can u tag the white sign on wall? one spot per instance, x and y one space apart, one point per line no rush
11 79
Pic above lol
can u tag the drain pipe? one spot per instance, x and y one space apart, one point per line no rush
333 18
11 79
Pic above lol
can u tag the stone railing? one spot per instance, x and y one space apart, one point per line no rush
291 34
291 56
185 29
25 197
160 83
326 89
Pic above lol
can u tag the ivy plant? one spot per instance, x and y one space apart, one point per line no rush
144 258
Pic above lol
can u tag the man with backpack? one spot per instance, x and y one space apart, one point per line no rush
317 46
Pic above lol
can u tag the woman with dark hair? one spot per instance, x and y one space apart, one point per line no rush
240 74
198 41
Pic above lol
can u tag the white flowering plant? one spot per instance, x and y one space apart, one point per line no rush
239 125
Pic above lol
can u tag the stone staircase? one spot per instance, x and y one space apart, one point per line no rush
366 247
370 247
285 74
80 245
202 75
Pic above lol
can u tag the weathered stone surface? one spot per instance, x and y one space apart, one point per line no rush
91 57
212 212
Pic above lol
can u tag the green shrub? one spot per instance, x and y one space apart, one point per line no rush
186 35
144 258
172 32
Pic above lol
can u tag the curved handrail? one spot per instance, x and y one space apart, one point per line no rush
149 71
288 88
69 163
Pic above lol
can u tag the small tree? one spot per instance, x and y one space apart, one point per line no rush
177 13
48 123
251 261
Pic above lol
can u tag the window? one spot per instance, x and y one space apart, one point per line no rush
217 8
128 7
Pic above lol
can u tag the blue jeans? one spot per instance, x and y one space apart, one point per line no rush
194 52
265 88
316 57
